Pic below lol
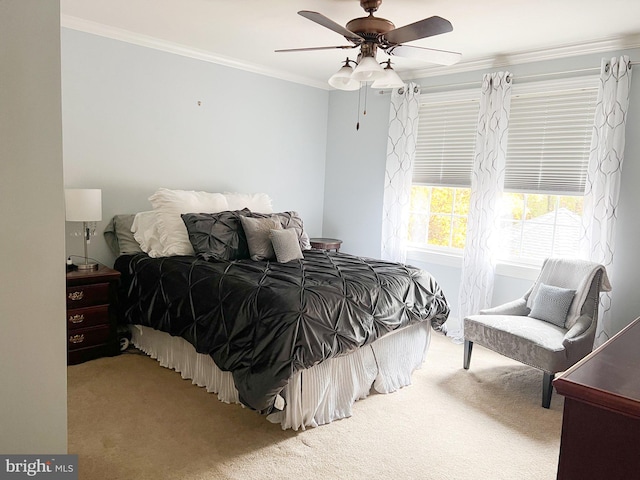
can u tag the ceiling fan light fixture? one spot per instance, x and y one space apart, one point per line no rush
368 70
371 34
390 80
342 79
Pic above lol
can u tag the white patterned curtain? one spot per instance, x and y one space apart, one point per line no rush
487 182
604 173
401 152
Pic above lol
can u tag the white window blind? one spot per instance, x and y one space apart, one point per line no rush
550 129
446 139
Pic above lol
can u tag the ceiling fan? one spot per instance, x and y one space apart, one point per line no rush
372 33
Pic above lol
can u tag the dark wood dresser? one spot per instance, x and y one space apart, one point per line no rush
91 323
601 419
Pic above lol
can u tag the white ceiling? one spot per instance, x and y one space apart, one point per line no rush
245 33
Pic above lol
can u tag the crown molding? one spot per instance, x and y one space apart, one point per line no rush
611 44
554 53
95 28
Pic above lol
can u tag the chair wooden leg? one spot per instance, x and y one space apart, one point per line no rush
468 347
547 389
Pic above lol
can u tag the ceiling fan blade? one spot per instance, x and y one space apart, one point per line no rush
315 48
424 28
331 25
431 55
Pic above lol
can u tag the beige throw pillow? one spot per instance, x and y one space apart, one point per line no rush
286 245
257 231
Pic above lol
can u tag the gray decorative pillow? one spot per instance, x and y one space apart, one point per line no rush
217 236
257 231
289 220
286 245
119 237
552 304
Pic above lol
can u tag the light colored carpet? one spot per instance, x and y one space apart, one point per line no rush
130 419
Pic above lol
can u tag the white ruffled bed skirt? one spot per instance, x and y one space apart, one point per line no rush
314 396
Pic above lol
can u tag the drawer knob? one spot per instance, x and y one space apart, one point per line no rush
78 318
76 338
79 295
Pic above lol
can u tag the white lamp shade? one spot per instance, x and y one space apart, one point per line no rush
342 79
390 80
83 204
367 70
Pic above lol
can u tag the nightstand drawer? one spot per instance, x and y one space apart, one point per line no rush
91 322
87 337
87 317
87 295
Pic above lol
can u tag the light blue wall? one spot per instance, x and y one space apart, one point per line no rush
355 177
132 123
355 171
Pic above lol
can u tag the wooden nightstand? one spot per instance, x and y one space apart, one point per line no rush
327 244
91 321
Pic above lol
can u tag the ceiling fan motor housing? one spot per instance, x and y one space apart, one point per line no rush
370 26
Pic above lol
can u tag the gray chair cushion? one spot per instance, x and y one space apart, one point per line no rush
525 339
574 274
552 304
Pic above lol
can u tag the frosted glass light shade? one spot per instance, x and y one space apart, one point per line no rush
390 80
83 204
367 70
342 79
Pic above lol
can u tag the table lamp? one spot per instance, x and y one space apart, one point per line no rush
84 205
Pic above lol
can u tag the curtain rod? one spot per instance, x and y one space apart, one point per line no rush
525 77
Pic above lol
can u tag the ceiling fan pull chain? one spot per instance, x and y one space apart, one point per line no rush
365 99
359 96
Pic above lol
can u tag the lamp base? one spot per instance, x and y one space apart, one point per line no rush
87 266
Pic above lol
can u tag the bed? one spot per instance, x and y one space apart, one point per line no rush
300 340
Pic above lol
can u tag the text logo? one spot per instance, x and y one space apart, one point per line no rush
49 467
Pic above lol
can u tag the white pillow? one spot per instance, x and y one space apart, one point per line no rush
145 231
169 204
256 202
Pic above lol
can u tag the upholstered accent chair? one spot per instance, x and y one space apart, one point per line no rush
551 327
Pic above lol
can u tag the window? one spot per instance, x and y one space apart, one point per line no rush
439 216
547 155
442 170
536 226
